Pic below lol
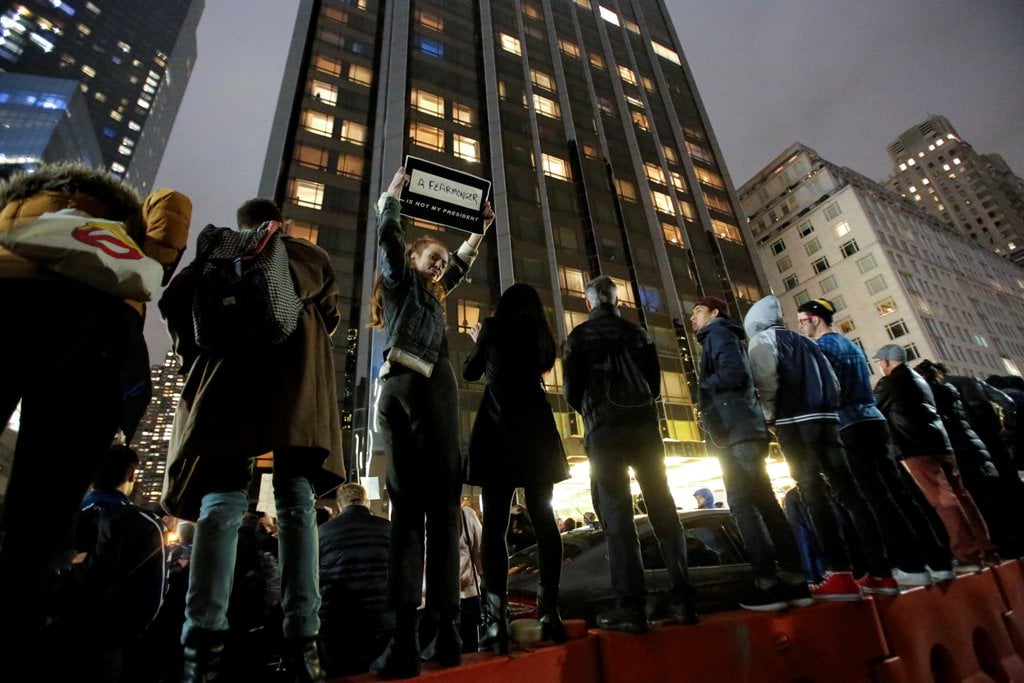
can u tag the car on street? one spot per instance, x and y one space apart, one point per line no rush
718 563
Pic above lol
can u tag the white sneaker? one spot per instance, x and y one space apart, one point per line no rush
939 575
911 578
960 568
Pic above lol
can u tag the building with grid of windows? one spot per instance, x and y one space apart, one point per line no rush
43 120
131 59
584 116
154 432
976 193
895 273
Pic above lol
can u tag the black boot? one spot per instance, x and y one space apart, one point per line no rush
302 660
448 643
202 651
550 620
401 659
495 636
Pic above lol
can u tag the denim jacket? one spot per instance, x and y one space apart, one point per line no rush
413 317
856 398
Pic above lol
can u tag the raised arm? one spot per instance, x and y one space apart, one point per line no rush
392 261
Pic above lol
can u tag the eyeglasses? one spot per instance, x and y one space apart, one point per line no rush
801 321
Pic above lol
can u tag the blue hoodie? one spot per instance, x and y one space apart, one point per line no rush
709 498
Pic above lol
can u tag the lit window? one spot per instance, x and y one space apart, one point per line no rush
427 136
573 281
542 80
654 173
530 10
350 165
88 71
648 84
469 315
624 291
841 229
118 168
626 74
360 74
665 52
431 21
302 230
117 116
429 46
327 65
591 152
635 102
100 97
315 122
708 177
569 48
662 202
686 208
324 92
670 154
698 152
546 107
677 180
465 148
897 329
609 16
632 26
353 132
640 119
306 193
596 60
867 264
462 114
875 284
673 234
427 102
846 325
625 189
311 157
885 306
510 44
911 162
726 231
124 150
555 167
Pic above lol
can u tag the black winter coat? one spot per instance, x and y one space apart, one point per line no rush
515 440
970 450
729 410
909 407
354 571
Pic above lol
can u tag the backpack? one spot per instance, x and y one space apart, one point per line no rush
244 294
618 388
117 579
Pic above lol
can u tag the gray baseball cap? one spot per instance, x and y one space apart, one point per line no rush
891 352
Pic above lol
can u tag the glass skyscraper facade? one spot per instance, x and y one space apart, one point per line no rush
131 58
585 118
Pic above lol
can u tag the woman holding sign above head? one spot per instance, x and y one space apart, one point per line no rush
418 414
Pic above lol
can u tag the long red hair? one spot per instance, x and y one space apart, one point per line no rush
377 297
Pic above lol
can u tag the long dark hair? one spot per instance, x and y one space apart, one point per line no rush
377 296
520 310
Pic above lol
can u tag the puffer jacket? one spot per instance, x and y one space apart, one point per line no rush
413 316
159 224
729 411
354 570
795 382
909 406
971 453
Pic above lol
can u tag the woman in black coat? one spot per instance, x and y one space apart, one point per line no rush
515 443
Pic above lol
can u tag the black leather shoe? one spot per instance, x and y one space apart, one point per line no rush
495 635
448 643
397 662
302 660
203 650
623 619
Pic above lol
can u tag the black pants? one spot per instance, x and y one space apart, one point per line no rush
497 500
910 539
63 348
420 431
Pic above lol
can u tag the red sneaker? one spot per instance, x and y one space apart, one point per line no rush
878 585
836 586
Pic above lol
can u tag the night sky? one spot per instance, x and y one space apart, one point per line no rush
845 78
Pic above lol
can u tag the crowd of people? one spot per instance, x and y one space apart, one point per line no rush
908 482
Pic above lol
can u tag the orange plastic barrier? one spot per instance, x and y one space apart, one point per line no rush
826 642
953 631
1010 577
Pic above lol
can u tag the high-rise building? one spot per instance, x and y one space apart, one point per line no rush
132 59
585 118
895 273
979 194
43 120
154 432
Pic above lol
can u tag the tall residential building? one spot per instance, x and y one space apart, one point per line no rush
584 116
154 432
895 273
43 120
976 193
132 59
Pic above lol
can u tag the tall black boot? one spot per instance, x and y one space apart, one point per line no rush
202 651
496 615
401 658
448 643
302 659
550 620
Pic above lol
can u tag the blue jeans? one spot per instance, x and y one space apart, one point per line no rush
757 512
611 451
215 550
